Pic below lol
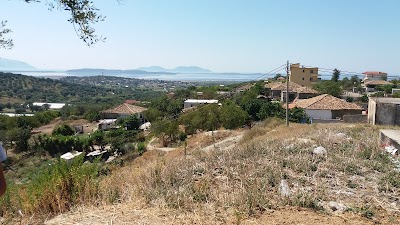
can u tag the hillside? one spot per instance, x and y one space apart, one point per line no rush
21 88
29 88
15 65
271 176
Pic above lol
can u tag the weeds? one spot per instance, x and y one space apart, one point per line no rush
390 182
245 178
54 189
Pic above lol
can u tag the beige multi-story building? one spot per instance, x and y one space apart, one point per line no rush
302 75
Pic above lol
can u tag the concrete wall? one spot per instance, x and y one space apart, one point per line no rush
326 121
385 113
371 111
355 118
319 114
341 113
116 116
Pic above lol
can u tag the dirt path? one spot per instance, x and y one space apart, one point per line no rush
225 144
88 127
152 147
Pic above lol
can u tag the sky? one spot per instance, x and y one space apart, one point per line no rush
220 35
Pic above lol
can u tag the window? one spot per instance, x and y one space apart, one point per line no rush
310 78
303 78
303 71
311 71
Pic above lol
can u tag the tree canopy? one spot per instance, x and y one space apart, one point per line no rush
335 75
329 87
84 15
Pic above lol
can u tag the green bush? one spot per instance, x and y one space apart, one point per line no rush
60 144
63 129
141 147
364 98
182 136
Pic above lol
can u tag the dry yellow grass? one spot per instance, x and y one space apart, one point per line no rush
241 184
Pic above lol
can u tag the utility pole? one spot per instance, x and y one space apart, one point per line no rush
287 93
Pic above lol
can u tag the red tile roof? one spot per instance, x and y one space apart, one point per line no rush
125 109
377 82
293 87
372 73
131 101
326 102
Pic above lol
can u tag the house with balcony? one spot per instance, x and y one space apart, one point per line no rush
122 111
304 76
374 75
277 90
371 85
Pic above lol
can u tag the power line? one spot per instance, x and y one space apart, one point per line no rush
281 67
345 73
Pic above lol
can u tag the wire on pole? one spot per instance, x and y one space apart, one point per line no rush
287 93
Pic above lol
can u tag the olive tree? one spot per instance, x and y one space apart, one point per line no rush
83 15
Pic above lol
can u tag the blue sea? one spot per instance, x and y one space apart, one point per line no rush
192 77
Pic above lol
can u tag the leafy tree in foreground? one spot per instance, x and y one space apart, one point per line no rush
4 42
83 15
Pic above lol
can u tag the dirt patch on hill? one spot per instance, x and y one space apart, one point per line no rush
88 127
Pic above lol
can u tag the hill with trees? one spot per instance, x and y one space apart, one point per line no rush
30 89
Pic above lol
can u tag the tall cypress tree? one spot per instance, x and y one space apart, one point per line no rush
335 75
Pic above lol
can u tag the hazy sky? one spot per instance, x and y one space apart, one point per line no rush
221 35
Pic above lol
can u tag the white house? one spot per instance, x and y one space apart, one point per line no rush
195 102
106 124
370 85
374 75
327 107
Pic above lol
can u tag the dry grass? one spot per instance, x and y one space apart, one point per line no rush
237 184
244 181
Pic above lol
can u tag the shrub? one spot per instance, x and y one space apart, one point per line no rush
364 98
141 147
63 129
182 136
55 188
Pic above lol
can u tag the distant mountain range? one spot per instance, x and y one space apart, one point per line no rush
140 70
107 72
179 69
15 65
